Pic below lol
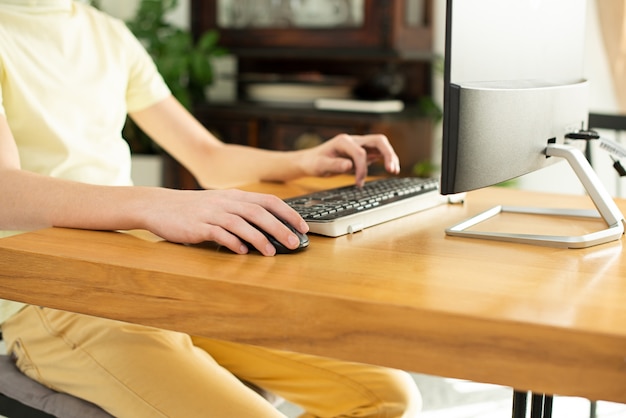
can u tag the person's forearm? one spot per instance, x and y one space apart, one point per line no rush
213 163
235 165
33 201
218 165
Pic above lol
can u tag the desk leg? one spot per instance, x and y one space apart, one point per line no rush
520 403
547 406
536 405
541 406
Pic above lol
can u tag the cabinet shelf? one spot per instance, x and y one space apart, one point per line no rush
347 54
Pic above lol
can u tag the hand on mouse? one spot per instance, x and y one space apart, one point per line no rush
223 216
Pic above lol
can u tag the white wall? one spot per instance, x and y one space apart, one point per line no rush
560 178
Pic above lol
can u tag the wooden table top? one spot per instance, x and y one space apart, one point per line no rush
401 294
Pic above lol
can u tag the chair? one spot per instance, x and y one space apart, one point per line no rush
604 121
22 397
615 123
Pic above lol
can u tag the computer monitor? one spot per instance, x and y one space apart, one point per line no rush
513 93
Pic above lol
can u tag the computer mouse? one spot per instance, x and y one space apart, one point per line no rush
280 248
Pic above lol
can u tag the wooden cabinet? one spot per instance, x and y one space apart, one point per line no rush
289 128
384 27
390 42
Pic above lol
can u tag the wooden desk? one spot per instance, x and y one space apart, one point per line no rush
400 294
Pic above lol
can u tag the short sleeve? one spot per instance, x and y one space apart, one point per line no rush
145 85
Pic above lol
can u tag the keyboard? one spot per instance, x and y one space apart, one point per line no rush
349 209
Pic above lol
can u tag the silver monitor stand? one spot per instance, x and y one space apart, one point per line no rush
606 209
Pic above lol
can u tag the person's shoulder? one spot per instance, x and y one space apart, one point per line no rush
98 17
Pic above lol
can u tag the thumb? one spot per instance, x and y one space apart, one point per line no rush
335 165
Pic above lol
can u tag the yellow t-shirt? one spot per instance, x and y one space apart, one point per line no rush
68 76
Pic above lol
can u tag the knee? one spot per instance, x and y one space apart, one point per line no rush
403 399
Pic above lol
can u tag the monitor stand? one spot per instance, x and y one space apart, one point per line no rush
605 205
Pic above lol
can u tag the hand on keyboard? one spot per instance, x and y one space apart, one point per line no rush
345 153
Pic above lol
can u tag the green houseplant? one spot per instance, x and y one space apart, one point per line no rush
184 62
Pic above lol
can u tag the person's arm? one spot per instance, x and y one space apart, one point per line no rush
32 201
215 164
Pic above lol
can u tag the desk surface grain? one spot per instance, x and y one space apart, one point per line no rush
401 294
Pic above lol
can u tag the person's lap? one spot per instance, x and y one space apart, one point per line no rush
136 371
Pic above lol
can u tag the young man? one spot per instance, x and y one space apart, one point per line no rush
69 75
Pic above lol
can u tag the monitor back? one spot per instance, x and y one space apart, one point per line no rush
513 82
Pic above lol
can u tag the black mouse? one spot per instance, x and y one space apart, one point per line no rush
280 248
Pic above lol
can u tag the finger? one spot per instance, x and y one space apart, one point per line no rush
277 208
228 227
346 145
380 147
257 206
270 216
240 236
224 237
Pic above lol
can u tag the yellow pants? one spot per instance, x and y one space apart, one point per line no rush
136 371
